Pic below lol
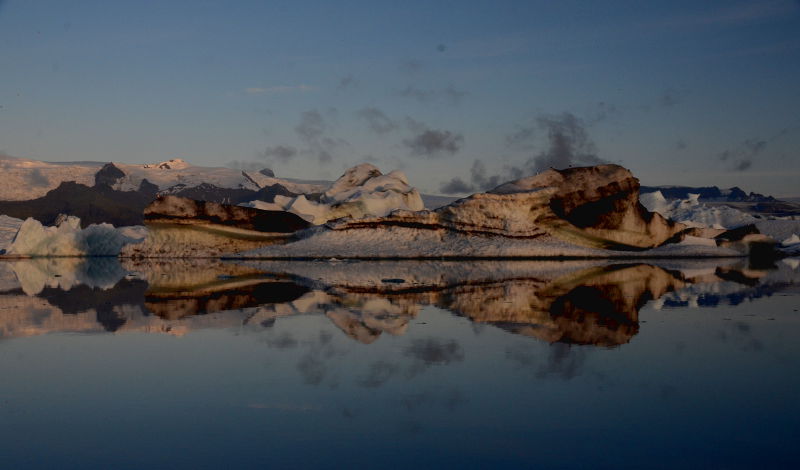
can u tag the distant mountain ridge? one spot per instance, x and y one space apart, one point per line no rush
708 193
112 199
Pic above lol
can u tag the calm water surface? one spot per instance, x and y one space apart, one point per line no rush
398 364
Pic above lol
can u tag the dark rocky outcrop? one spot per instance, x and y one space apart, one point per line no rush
174 209
108 175
103 204
93 205
708 193
148 188
594 206
259 292
211 193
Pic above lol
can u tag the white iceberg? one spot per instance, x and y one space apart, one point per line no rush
693 213
363 191
67 238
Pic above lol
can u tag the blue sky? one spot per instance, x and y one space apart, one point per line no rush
457 94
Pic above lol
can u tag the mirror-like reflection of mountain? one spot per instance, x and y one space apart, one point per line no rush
253 364
574 302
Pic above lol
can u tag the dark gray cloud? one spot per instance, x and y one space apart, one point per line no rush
432 143
456 186
245 165
281 153
434 351
681 145
480 180
312 368
568 144
378 373
521 138
449 94
282 341
311 126
347 83
37 179
742 156
313 131
377 121
562 361
415 126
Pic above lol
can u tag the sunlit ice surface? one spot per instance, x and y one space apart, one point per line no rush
432 364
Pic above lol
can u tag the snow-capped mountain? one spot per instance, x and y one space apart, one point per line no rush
26 179
117 193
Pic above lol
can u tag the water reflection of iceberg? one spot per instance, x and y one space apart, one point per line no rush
35 274
576 302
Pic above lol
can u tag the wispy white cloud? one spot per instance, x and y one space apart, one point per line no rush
280 89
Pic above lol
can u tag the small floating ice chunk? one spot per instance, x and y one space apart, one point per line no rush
791 241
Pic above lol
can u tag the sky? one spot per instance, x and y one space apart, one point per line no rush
460 95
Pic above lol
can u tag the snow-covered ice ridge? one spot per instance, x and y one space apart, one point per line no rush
578 212
693 213
362 191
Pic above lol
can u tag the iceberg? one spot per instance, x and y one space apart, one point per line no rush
67 238
693 213
363 191
586 212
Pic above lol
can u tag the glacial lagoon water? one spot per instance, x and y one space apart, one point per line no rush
669 364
